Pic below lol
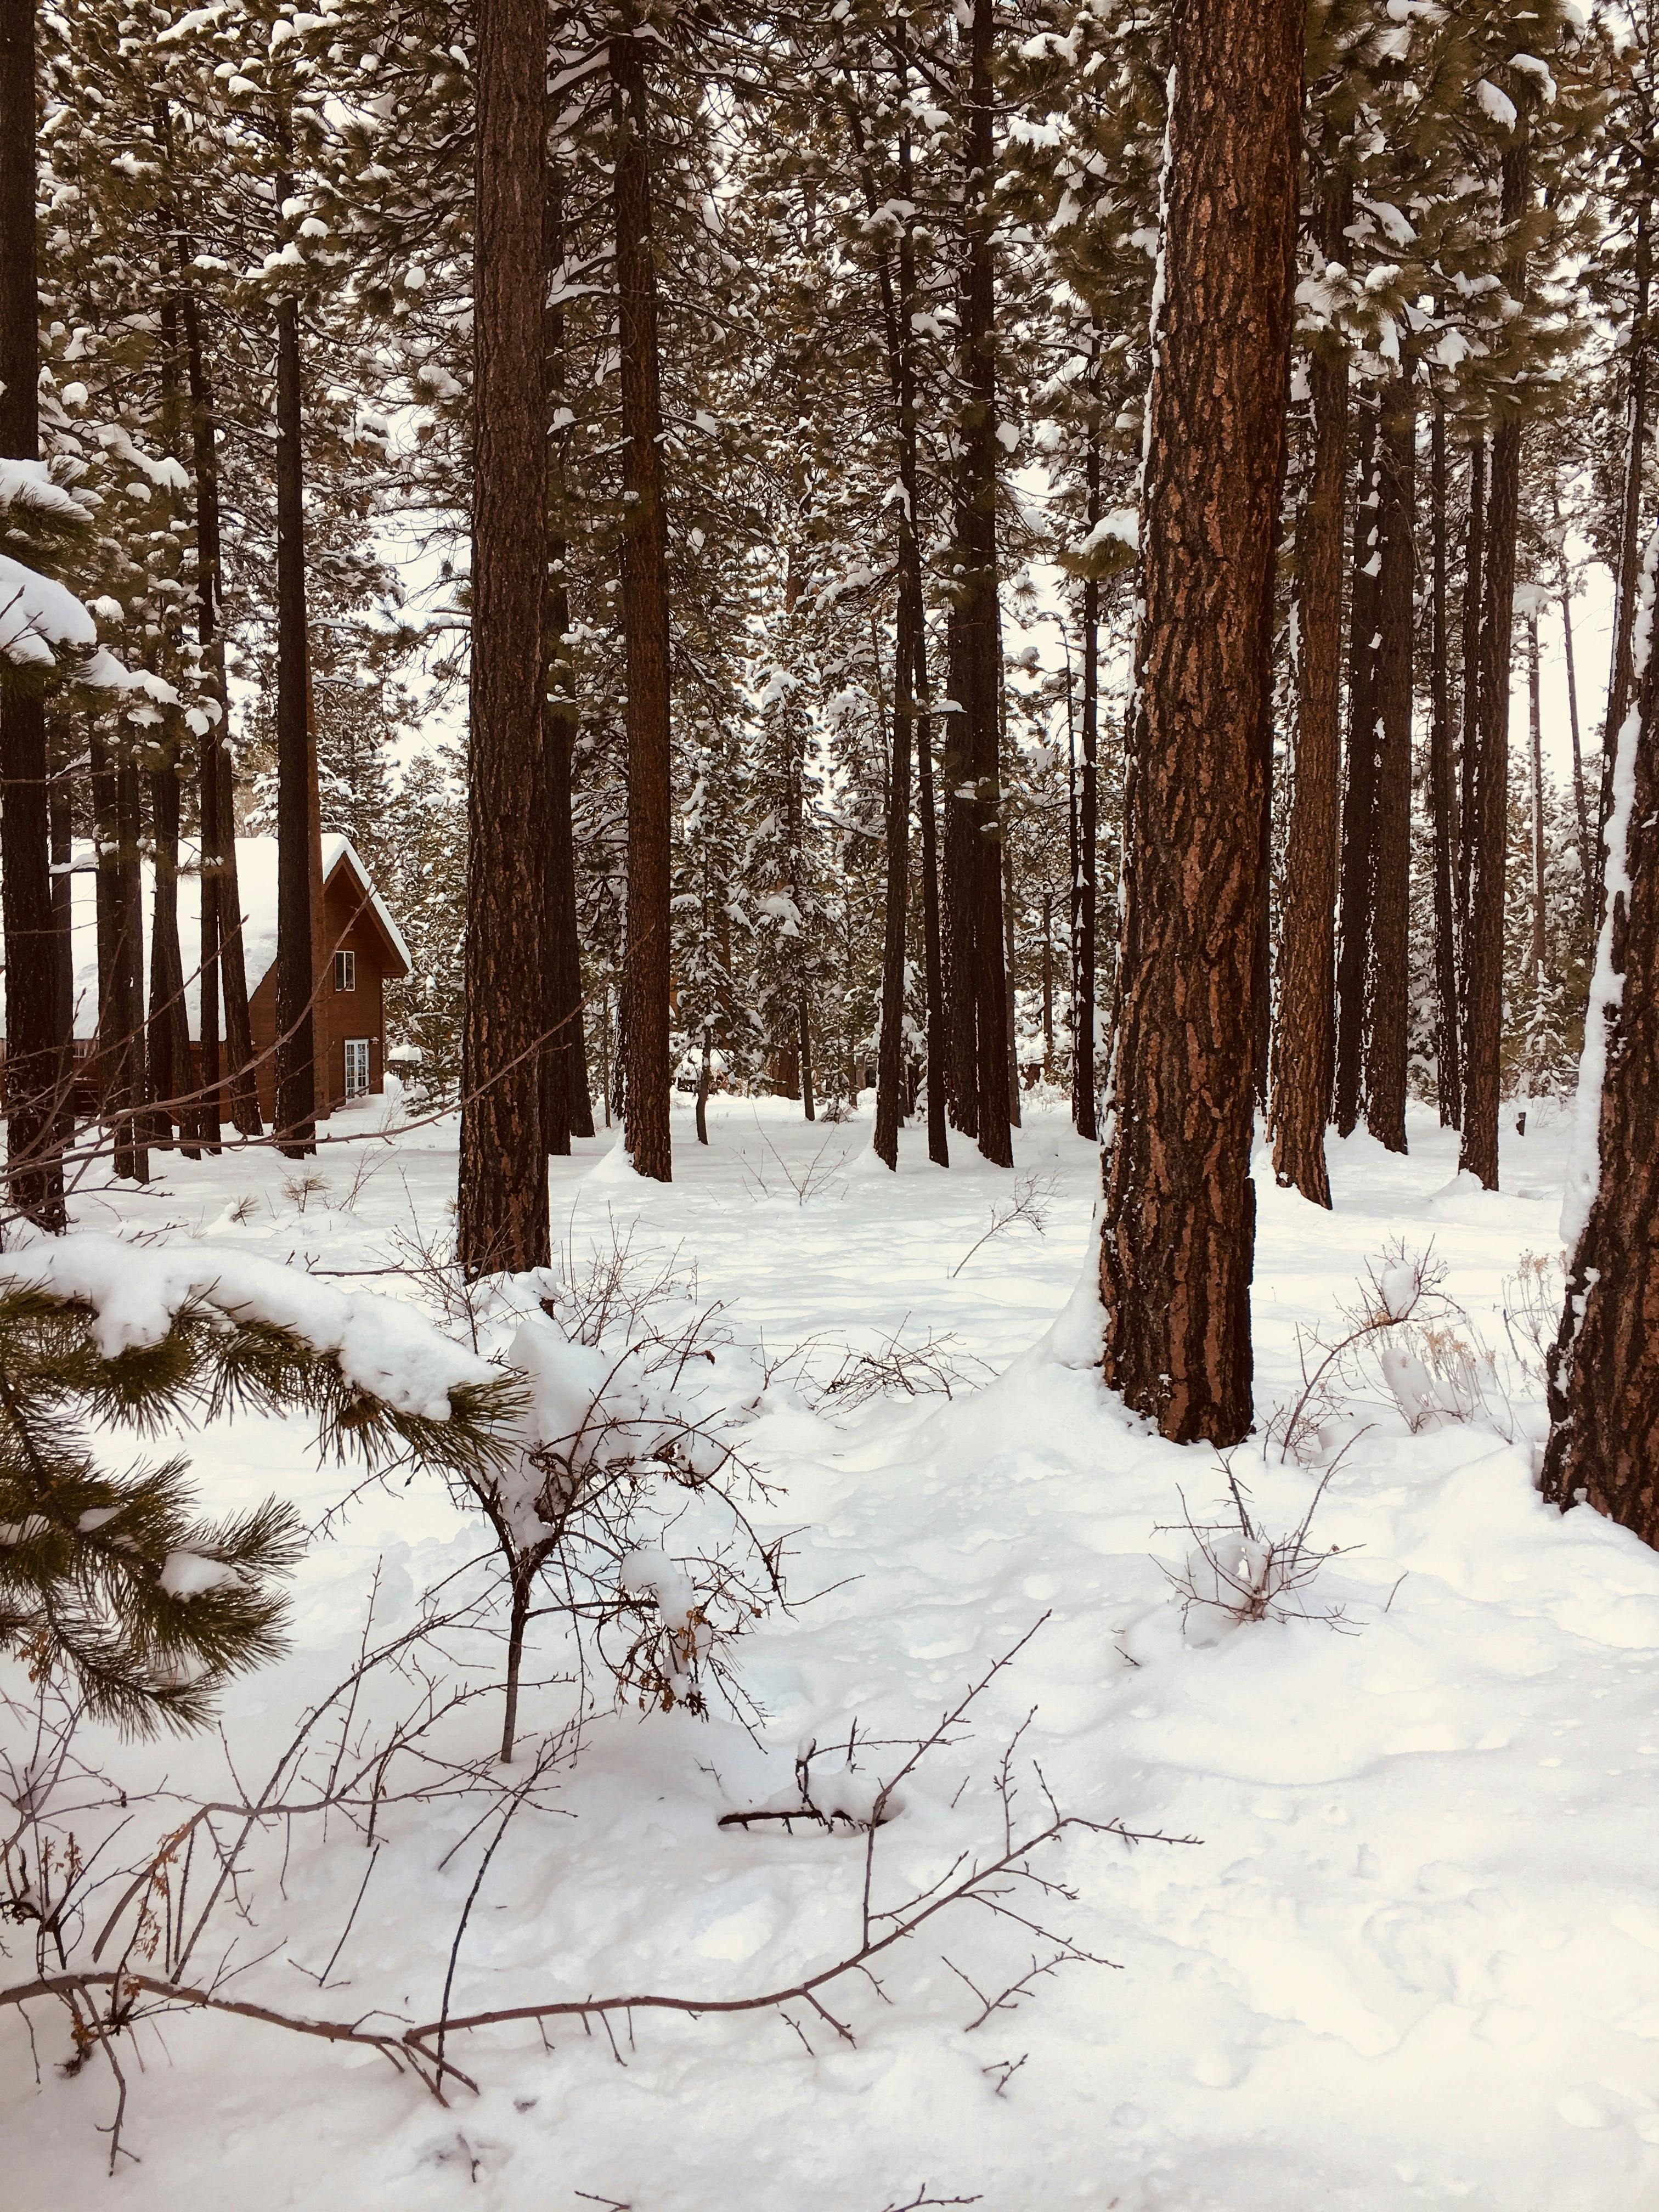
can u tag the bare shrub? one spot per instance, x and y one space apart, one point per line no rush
1236 1572
1032 1197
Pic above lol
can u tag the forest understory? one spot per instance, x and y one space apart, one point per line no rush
1400 1957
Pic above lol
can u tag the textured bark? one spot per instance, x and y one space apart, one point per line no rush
502 1218
1178 1233
1443 800
1388 999
1305 1044
977 612
1484 1021
567 1109
36 1066
645 621
1359 796
962 1063
1604 1376
296 1073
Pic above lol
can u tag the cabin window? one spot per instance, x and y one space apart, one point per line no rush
357 1067
345 972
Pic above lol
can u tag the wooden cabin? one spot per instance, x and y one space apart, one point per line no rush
358 949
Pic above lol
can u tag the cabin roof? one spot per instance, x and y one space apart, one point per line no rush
256 877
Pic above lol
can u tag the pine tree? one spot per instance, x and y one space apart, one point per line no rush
1178 1233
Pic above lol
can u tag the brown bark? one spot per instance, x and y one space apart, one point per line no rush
224 966
889 1050
296 1073
36 1066
962 1063
502 1218
1580 800
977 610
1604 1374
1359 795
1483 1018
1389 995
1178 1233
645 619
131 1080
1304 1043
567 1110
1474 577
939 1142
1443 799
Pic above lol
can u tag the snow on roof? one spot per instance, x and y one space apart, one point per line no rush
256 875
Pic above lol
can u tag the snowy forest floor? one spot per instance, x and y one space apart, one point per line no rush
1412 1960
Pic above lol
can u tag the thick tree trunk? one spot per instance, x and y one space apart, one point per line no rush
1178 1234
1305 1044
37 1056
567 1110
1389 997
981 651
645 619
1604 1374
1359 797
502 1218
296 1072
1483 1026
1443 799
1009 953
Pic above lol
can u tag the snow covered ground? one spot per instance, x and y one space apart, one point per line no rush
1412 1960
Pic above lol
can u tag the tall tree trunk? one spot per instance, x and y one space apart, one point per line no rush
1443 799
963 1080
131 1084
223 963
1305 1044
1011 1032
981 652
939 1142
1390 996
296 1072
1084 1116
645 616
1484 1029
1620 673
1604 1374
567 1110
1178 1233
1539 955
36 1064
1580 800
1359 797
1468 766
889 1049
170 1077
503 1218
